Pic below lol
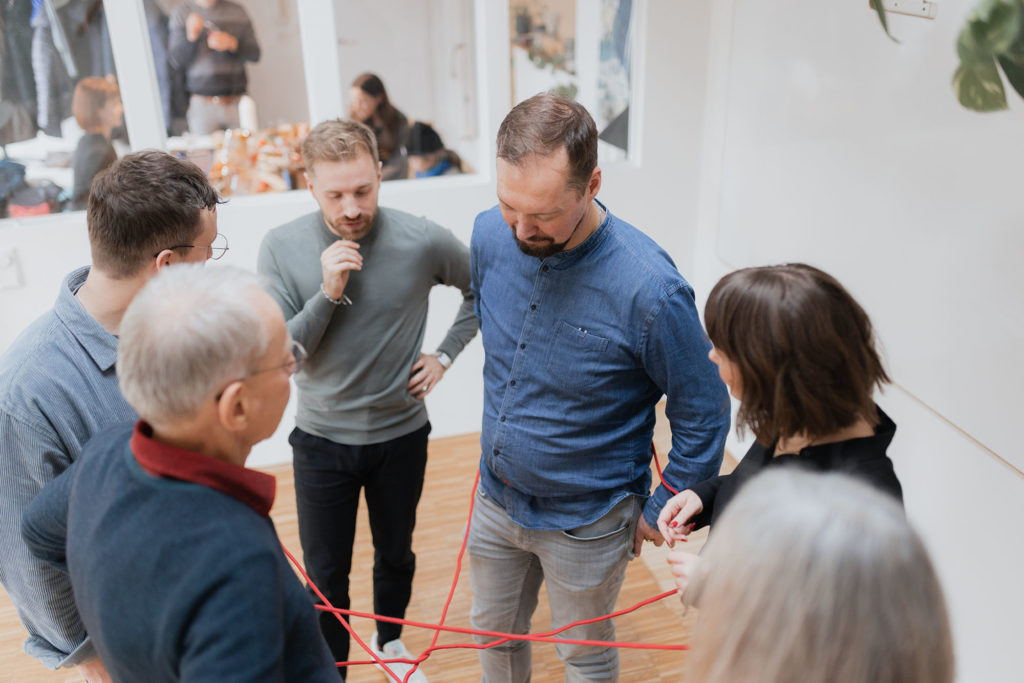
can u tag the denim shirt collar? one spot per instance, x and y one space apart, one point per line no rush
97 342
566 259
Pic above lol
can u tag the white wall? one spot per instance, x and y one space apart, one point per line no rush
828 143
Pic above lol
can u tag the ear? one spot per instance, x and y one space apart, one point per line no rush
594 185
309 181
163 259
233 408
380 171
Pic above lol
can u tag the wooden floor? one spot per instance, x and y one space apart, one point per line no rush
451 468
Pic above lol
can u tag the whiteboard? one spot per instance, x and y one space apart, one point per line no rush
849 151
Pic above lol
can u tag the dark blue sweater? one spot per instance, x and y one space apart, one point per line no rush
174 581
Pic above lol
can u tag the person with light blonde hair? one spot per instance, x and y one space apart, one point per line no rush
817 578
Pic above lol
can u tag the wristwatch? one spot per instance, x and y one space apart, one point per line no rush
444 359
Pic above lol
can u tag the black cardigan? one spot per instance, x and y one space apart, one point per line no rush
863 457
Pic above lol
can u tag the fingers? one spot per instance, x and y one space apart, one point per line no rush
638 541
674 517
684 567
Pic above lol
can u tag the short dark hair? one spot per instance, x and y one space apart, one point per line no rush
803 347
338 140
546 123
143 203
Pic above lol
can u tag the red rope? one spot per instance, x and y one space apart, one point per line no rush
500 637
657 466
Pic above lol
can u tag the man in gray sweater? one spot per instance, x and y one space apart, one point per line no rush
353 281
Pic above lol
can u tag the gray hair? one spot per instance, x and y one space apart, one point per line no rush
190 331
818 577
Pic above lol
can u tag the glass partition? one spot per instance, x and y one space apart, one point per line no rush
60 107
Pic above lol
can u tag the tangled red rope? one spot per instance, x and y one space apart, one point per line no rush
549 637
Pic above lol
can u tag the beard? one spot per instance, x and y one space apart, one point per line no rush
354 230
540 248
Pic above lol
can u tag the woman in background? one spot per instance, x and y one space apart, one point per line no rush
817 578
96 106
799 353
370 105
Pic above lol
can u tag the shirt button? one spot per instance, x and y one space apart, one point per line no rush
533 307
512 383
522 346
502 418
495 451
544 268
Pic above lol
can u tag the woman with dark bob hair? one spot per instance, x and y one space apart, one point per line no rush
799 353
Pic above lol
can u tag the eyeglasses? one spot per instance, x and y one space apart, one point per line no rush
293 365
213 252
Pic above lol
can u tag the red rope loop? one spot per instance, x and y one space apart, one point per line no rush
549 637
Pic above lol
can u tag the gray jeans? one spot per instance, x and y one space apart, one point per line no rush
583 569
206 115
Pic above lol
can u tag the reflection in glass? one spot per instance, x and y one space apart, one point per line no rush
582 51
369 104
427 61
48 48
233 90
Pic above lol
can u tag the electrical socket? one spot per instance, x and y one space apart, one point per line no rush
912 8
11 276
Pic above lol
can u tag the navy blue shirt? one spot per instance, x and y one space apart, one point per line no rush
580 347
177 569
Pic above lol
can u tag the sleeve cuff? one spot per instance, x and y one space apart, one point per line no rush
53 658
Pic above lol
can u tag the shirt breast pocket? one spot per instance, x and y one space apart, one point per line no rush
576 355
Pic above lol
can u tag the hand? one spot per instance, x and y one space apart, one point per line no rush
220 41
93 671
684 568
672 522
426 372
644 532
336 262
193 27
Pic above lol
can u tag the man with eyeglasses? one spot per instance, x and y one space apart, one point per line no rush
353 281
58 385
177 569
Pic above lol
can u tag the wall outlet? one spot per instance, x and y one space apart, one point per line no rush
920 8
11 276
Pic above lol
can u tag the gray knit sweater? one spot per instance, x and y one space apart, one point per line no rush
352 389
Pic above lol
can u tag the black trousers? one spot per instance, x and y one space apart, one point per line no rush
328 479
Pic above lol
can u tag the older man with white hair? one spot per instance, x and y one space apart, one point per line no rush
176 567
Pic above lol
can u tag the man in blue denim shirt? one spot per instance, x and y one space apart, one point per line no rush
58 385
586 323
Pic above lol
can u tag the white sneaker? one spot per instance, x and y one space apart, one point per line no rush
396 649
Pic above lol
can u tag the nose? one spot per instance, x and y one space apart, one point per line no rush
523 229
350 208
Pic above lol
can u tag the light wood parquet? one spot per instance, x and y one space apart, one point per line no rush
442 516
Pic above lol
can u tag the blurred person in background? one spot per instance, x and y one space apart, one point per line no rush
369 104
97 108
428 156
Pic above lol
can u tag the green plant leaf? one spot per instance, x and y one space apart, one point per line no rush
992 27
1014 71
977 86
880 11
